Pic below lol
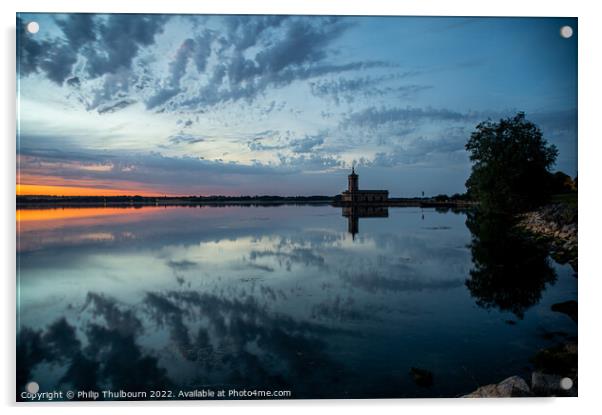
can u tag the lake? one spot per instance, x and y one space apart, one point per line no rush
305 298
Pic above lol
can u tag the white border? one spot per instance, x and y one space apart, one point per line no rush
590 152
341 7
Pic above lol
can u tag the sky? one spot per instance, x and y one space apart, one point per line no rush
280 105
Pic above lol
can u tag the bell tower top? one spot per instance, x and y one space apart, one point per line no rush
353 181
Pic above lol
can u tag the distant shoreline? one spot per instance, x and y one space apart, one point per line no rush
25 202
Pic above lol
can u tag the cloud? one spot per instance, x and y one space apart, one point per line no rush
243 31
258 146
78 29
100 54
57 63
266 134
155 171
182 138
348 89
254 54
116 106
53 57
410 139
148 169
373 117
197 50
306 144
161 96
119 38
74 82
183 265
304 41
419 149
91 47
410 135
30 52
313 162
298 145
109 44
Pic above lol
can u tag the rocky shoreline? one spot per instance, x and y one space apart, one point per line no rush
555 371
555 374
556 225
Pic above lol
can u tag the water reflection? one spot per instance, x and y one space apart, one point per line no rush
109 355
510 271
229 343
276 298
353 213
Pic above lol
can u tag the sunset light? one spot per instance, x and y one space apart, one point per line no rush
35 190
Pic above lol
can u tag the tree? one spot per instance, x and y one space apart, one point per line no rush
511 163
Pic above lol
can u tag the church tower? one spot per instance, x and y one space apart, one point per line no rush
353 195
353 181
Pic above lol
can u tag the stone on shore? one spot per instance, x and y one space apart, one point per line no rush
556 224
512 387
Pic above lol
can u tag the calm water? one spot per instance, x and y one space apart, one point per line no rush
280 297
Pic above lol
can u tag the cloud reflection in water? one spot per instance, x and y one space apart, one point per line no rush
193 297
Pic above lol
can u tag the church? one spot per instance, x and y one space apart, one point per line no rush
355 196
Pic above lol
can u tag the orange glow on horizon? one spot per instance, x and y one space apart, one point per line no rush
48 190
32 215
54 218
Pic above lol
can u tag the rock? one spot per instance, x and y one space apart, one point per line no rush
514 386
545 384
557 221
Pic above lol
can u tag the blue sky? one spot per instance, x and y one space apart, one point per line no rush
168 104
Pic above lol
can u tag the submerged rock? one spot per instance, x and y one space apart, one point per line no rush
512 387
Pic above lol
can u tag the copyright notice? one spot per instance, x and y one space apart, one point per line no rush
155 394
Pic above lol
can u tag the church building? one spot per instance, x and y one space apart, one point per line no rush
355 196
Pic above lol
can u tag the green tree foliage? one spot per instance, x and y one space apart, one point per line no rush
511 163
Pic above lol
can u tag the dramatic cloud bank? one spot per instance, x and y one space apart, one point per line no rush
280 104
